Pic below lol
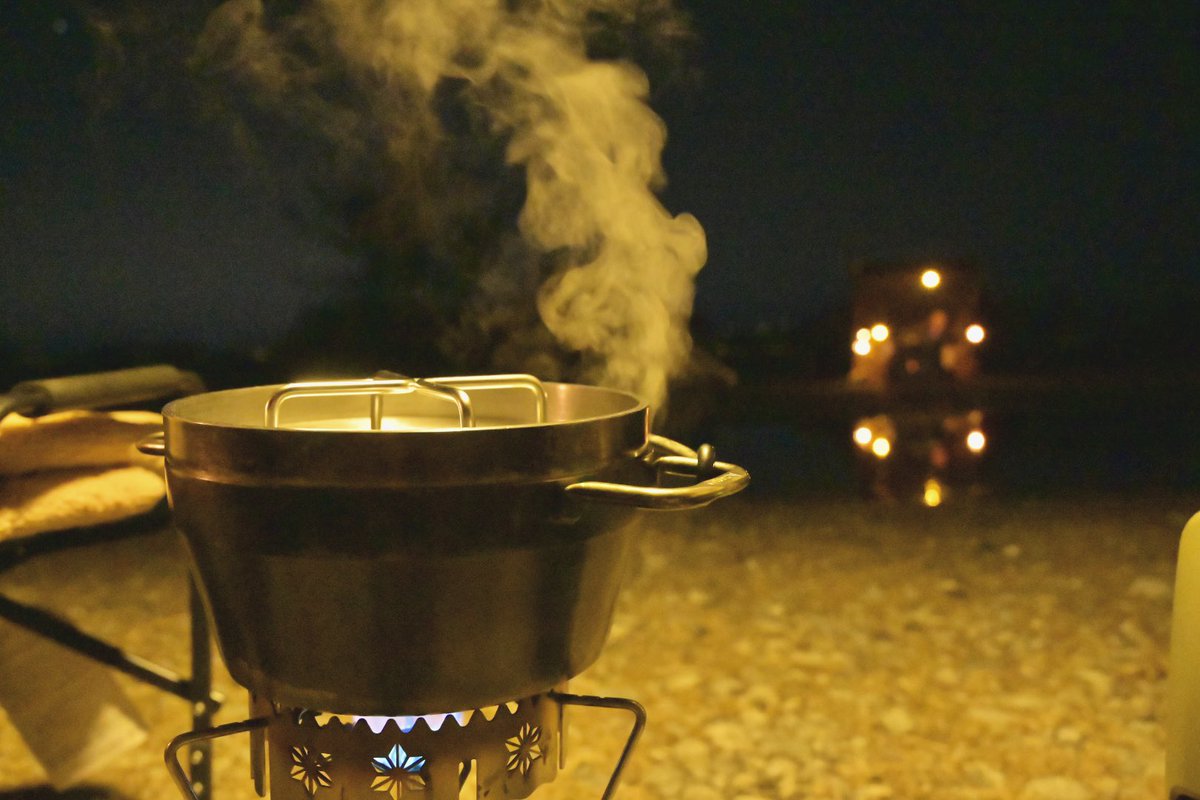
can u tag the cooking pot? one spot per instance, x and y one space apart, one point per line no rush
410 546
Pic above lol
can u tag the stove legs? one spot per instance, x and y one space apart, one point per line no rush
619 703
200 751
201 737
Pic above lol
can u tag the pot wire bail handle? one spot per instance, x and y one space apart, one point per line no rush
669 457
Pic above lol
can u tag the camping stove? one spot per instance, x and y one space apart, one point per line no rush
501 752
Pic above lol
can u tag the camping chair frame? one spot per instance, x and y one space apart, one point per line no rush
196 690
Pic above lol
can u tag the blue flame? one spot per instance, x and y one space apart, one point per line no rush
435 721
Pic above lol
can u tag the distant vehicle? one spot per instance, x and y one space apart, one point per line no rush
914 322
917 325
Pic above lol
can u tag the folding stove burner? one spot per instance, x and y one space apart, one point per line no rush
502 752
509 754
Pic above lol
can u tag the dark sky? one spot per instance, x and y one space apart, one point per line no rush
1055 146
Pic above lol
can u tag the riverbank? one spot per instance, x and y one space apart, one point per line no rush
796 649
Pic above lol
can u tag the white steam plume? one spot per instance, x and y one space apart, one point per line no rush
620 292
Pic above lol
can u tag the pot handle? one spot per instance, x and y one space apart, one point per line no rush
155 444
667 456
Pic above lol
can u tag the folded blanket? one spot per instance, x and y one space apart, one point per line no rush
73 439
75 468
69 470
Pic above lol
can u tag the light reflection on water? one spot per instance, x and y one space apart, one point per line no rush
1072 443
911 455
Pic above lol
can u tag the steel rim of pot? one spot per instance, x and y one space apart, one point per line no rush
210 436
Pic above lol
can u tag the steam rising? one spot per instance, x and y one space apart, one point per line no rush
418 91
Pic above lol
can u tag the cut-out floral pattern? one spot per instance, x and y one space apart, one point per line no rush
398 773
311 768
524 748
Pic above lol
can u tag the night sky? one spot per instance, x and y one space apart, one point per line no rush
1055 147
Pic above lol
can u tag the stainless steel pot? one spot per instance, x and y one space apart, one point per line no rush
408 546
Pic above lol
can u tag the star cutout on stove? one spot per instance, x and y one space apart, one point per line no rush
311 768
398 773
524 748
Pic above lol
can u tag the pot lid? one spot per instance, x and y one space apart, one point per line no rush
390 402
393 430
393 402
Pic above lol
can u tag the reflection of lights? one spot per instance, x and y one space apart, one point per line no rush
879 332
863 436
933 493
931 278
975 333
862 335
976 441
881 447
861 347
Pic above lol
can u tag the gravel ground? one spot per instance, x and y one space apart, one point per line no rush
796 649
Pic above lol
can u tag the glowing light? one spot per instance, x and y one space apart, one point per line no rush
861 347
976 441
311 768
435 721
881 447
863 436
398 773
879 332
524 748
932 496
862 335
931 279
975 333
